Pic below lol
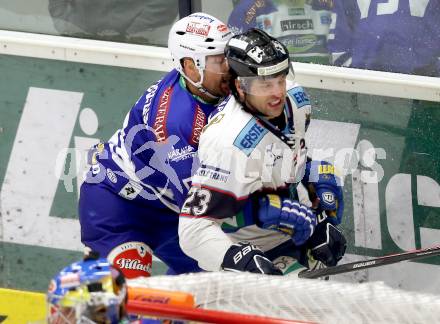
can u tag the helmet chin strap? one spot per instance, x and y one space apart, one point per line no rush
199 85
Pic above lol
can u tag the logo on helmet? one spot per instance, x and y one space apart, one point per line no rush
198 28
222 28
70 280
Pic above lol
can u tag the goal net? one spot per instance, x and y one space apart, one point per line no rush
284 297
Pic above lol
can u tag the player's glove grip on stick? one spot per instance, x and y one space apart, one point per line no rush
246 257
287 216
327 244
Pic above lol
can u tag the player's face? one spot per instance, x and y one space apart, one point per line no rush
267 96
216 75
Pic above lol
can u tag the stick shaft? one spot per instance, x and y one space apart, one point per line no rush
371 263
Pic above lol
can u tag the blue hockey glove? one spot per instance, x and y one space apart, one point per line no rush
327 244
287 216
321 182
244 256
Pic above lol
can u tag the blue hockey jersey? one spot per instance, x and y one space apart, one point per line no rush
150 158
395 35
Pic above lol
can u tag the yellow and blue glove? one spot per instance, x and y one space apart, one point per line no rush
322 183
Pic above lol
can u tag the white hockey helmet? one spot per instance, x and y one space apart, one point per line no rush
197 36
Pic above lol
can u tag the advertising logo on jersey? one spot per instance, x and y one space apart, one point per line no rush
299 96
134 259
295 11
252 12
213 173
250 136
180 154
296 24
197 28
149 95
162 115
198 124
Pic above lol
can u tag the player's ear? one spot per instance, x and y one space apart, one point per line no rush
190 69
240 90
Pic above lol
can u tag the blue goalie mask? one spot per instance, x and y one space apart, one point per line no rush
89 291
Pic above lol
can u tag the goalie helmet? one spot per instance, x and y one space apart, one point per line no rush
90 291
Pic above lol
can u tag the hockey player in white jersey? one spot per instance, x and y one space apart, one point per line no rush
241 213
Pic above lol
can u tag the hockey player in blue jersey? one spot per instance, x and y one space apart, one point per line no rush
130 200
395 36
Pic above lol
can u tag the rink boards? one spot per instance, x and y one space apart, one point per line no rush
49 105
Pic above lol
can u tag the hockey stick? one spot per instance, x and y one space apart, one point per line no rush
376 262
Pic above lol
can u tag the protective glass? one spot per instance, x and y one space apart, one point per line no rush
263 86
217 64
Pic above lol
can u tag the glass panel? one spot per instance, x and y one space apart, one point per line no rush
387 35
132 21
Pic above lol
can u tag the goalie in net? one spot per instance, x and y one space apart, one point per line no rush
242 212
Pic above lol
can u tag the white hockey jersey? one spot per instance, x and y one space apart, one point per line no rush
240 157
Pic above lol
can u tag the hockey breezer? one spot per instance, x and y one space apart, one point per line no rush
376 262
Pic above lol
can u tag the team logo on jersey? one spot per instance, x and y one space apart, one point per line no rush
250 136
198 28
134 259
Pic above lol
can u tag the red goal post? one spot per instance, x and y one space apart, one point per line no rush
201 315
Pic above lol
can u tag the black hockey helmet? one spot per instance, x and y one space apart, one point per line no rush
257 54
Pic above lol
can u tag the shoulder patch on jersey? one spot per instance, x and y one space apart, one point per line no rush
250 136
299 96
